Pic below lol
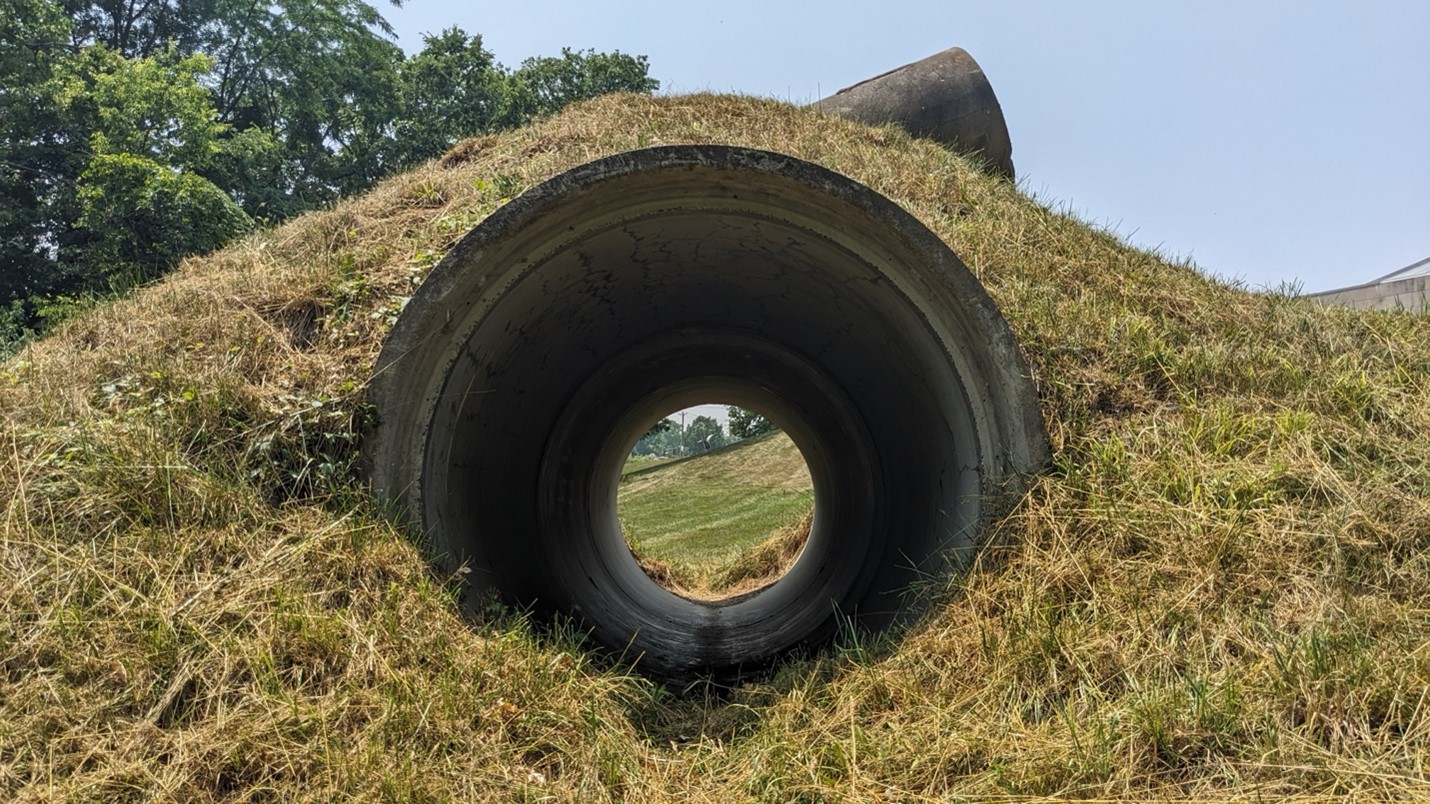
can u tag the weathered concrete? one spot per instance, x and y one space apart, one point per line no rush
945 97
553 335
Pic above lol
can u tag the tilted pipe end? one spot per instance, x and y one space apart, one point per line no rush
945 97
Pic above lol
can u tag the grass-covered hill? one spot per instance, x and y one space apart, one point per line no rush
1221 588
724 522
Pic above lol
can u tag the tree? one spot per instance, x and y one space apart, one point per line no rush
452 89
312 82
316 81
140 202
748 423
144 217
703 434
102 160
656 440
455 88
36 155
547 84
135 133
153 106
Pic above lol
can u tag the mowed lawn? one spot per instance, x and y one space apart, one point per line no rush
696 517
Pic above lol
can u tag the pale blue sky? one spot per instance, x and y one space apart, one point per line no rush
1269 141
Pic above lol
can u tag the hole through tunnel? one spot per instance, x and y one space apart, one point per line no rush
715 502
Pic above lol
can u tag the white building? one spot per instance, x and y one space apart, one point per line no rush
1409 288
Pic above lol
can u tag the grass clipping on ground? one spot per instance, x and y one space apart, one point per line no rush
1220 589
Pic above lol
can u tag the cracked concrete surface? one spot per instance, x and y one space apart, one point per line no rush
521 373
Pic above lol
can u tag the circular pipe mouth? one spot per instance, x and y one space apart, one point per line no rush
523 370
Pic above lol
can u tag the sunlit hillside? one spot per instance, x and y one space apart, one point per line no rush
1221 589
699 520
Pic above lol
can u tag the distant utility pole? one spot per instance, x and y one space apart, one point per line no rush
683 450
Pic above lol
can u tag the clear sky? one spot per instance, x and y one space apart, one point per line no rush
1269 141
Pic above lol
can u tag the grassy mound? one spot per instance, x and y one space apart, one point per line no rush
698 524
1221 588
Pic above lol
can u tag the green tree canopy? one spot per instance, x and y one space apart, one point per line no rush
747 423
703 434
36 156
546 84
145 216
453 88
135 133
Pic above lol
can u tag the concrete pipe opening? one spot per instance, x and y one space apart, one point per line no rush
560 329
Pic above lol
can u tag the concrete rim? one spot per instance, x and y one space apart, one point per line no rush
538 347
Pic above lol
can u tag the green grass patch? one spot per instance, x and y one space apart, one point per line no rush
696 518
703 529
640 463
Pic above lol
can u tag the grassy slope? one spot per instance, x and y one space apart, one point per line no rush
1219 590
698 517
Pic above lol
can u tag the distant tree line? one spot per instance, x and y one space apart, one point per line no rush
133 134
666 438
747 423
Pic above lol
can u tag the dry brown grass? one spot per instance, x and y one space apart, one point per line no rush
1219 591
767 562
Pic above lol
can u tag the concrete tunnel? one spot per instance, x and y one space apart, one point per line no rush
563 326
